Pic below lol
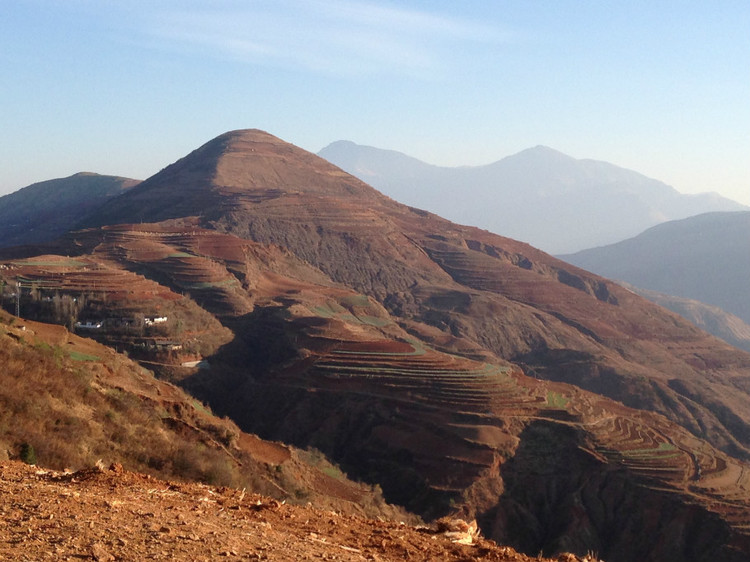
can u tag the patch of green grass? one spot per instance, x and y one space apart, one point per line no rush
374 321
210 284
356 300
43 347
180 255
418 349
78 356
330 309
663 447
333 472
349 318
556 400
334 309
200 407
56 263
323 312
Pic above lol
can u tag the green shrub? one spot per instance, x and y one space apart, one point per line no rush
28 454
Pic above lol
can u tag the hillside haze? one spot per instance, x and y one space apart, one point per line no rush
706 258
712 319
461 371
43 211
540 196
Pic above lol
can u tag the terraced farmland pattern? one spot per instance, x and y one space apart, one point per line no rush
423 376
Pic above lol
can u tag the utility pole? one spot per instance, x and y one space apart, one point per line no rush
31 284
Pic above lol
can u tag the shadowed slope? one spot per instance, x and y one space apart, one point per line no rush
706 258
43 211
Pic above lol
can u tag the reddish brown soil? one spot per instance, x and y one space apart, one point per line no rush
111 514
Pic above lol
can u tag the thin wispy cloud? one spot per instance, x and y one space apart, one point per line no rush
334 36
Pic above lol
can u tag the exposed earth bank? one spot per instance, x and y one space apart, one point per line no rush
108 514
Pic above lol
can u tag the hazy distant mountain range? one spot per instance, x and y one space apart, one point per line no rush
540 196
43 211
706 258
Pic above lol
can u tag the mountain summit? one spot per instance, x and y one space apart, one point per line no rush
235 168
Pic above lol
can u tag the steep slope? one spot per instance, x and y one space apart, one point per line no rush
229 170
382 335
47 515
540 196
706 258
43 211
317 364
68 402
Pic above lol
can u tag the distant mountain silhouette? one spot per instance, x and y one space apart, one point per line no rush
540 196
43 211
706 258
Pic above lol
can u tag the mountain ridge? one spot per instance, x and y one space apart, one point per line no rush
516 195
703 258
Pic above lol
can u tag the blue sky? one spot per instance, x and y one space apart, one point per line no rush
126 88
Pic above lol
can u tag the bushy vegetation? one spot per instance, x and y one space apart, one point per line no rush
27 454
56 412
61 408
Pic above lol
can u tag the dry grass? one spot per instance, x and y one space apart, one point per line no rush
58 403
72 407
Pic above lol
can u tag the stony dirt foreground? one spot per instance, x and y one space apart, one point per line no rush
107 514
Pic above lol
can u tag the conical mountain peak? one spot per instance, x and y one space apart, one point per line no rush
235 168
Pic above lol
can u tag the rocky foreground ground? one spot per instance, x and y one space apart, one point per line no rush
107 514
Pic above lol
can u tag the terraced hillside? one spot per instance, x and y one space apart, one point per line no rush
439 432
397 342
96 297
513 301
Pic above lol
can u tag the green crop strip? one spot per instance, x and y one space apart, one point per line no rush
556 400
59 263
180 255
78 356
662 448
210 284
358 300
